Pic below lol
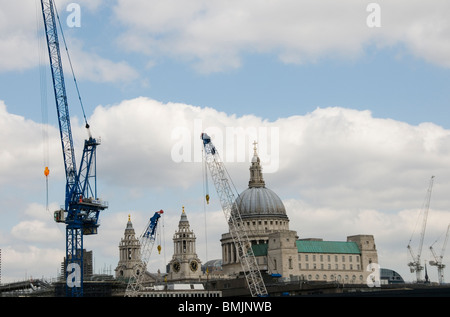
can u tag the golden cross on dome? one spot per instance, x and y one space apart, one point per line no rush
254 148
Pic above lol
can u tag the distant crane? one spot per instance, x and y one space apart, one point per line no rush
147 240
438 259
415 265
228 201
82 207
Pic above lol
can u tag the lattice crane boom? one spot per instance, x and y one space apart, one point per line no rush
415 265
231 211
147 240
82 206
438 259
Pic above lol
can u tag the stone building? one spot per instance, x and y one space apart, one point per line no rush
129 253
280 252
185 264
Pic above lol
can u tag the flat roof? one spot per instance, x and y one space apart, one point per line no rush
315 246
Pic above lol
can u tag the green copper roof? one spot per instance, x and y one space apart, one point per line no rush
314 246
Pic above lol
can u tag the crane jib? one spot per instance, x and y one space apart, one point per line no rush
240 238
59 89
81 202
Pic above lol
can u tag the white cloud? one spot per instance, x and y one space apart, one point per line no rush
18 35
341 172
25 262
214 35
369 175
93 67
35 231
325 156
24 148
21 26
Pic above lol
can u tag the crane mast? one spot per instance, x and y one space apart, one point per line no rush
227 199
82 207
147 241
415 265
438 259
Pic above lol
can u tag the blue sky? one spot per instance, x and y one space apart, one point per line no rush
361 112
406 89
391 82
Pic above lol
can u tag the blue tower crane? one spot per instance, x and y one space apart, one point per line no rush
82 207
147 240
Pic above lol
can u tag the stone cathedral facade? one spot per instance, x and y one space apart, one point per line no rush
280 252
278 249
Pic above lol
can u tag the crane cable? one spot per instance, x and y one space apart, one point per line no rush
44 104
205 178
71 68
206 195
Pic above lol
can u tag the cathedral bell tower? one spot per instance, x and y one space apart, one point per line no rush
130 253
185 264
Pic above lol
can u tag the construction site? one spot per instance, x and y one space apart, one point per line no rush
261 255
